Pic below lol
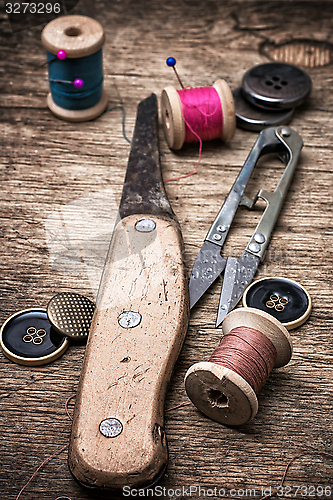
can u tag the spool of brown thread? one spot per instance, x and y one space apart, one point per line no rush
225 387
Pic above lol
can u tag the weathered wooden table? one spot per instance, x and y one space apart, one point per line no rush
47 164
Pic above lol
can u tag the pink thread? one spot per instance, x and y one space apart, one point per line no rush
193 171
41 465
66 405
203 118
202 113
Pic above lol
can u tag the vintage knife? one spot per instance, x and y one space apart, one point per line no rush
137 331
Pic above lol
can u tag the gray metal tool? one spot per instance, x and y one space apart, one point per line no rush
239 272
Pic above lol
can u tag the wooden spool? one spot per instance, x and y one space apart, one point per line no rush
222 394
79 36
173 121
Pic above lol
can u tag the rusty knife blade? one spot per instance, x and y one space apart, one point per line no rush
144 190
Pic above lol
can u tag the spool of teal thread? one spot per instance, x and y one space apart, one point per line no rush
90 70
82 39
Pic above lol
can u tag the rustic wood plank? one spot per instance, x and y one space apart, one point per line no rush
47 164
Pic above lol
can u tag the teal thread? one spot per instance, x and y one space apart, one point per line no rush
88 68
123 120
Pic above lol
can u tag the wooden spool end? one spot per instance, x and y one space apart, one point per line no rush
79 36
228 109
173 121
80 115
172 118
222 394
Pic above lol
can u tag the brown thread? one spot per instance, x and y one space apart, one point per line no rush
179 406
50 458
247 352
325 453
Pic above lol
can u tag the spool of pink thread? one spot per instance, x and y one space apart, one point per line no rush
194 114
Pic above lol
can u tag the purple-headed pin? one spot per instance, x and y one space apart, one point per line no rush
171 62
78 82
61 55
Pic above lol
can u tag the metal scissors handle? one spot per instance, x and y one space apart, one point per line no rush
210 264
260 239
267 143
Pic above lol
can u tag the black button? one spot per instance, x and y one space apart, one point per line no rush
252 117
276 85
284 299
28 338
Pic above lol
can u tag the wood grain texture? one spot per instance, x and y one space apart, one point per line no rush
46 164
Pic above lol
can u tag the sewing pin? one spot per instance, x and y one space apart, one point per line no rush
61 54
78 82
171 62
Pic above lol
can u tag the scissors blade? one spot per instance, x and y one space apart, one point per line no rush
208 266
238 275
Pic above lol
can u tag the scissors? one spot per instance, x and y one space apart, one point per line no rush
239 272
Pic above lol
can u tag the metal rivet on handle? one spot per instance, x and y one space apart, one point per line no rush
129 319
217 237
111 427
145 226
222 228
259 238
254 247
285 131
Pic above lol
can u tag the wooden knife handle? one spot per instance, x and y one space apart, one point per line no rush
126 368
